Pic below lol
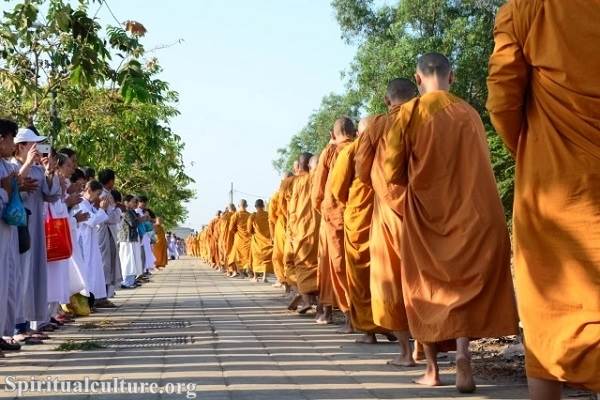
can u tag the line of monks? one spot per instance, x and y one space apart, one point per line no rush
398 222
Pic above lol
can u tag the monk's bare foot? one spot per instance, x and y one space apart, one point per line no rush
391 338
367 338
418 355
428 380
402 361
293 306
464 376
346 330
305 309
324 319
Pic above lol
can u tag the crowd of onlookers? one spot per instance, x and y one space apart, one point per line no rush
68 238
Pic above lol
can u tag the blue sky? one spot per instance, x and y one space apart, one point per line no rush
249 73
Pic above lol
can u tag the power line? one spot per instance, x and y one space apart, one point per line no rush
111 12
249 194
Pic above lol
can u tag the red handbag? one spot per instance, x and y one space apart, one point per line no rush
58 238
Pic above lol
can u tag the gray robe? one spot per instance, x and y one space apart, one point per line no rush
108 244
9 262
32 286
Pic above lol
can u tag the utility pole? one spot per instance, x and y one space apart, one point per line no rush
231 194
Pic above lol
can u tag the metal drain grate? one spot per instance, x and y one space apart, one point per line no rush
145 342
139 325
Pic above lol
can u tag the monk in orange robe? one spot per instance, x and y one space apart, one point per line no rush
456 276
213 242
261 246
326 294
218 235
357 198
277 221
160 247
284 209
239 256
305 234
227 239
544 100
387 300
332 212
289 210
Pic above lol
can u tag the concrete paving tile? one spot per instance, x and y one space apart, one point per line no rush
237 342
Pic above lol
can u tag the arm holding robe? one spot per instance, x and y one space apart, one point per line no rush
508 80
398 149
342 176
320 176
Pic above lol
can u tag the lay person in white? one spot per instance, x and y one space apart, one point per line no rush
148 258
32 273
93 270
107 233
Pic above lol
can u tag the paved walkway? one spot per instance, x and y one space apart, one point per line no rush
231 339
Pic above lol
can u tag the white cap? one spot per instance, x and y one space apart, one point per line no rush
25 135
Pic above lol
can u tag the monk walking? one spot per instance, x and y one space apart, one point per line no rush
277 222
286 208
305 235
544 100
261 246
239 256
455 247
387 299
326 295
357 198
332 212
227 240
160 247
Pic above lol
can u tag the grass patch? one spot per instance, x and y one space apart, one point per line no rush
89 325
81 346
95 325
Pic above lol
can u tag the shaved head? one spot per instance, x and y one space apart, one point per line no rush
303 161
434 64
434 73
312 163
344 128
400 90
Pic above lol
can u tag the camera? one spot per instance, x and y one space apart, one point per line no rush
43 149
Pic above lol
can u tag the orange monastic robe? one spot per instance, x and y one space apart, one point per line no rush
160 247
261 246
387 299
277 222
333 219
239 256
357 197
286 209
544 100
213 242
305 235
326 293
226 240
455 246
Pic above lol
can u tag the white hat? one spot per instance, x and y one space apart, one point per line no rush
25 135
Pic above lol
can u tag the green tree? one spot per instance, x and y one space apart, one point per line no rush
316 133
391 38
58 71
